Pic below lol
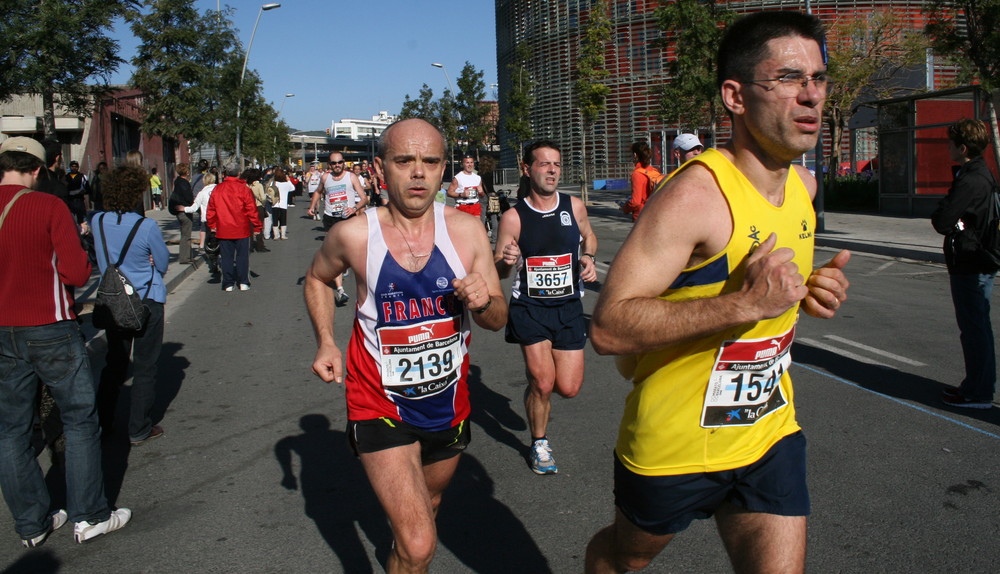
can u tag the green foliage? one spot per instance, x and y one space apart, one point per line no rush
471 112
590 92
694 28
423 107
974 47
869 56
520 100
59 49
176 64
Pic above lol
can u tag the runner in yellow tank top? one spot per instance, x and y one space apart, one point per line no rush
704 294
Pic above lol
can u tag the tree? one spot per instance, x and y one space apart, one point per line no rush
58 49
694 29
423 107
591 94
176 65
519 101
974 47
869 56
471 111
447 121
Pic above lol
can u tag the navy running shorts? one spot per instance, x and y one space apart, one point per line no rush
564 325
661 505
384 433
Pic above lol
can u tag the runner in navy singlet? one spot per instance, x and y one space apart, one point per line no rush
547 239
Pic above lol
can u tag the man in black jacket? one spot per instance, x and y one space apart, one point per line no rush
961 217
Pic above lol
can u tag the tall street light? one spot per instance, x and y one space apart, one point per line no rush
451 158
445 70
281 109
243 72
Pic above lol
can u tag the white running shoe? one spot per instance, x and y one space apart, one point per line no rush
84 531
541 458
58 518
244 287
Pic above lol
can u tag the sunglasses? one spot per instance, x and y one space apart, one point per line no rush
341 162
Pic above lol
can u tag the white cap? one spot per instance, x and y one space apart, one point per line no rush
687 142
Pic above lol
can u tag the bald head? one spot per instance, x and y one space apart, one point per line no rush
414 129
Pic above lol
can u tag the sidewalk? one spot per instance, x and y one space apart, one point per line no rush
902 237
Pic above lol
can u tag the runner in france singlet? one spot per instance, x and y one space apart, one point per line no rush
721 401
408 355
336 193
548 272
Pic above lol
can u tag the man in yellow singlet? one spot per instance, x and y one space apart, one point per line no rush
709 428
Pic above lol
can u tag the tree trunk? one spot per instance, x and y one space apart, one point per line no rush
991 110
48 115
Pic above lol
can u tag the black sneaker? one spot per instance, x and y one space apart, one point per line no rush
958 400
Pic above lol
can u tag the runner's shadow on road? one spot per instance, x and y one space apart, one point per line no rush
492 412
336 492
887 381
35 562
481 531
170 374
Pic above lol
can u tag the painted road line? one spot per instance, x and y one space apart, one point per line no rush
881 268
875 351
899 401
839 351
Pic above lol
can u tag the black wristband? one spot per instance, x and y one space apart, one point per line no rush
591 255
483 309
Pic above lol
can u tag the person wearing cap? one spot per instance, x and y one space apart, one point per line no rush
312 180
40 342
686 146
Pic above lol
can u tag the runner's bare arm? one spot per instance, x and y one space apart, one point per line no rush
507 252
316 196
328 263
685 224
588 269
480 289
453 189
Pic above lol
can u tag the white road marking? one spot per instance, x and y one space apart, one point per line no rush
881 268
841 352
875 351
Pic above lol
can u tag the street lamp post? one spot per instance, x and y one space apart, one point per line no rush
243 72
451 156
281 109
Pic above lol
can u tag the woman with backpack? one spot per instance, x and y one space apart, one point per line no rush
135 244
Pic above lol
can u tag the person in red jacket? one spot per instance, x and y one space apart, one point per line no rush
40 342
232 215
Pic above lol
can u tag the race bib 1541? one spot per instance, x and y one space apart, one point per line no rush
745 383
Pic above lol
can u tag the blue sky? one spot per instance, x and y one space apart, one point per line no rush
351 59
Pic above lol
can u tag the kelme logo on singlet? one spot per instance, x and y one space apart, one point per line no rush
806 234
564 219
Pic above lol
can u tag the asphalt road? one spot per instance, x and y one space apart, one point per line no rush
255 475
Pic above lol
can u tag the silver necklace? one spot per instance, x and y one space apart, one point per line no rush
408 246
